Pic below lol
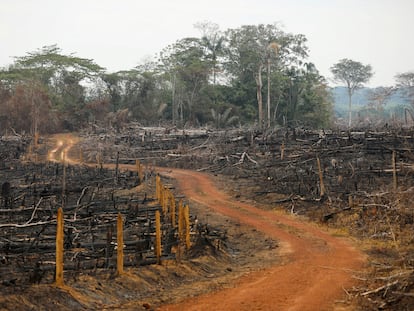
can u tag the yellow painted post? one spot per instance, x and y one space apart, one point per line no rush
36 139
350 201
159 189
320 177
394 171
162 196
158 236
139 171
30 152
180 221
59 248
187 227
64 179
168 201
172 210
164 200
120 246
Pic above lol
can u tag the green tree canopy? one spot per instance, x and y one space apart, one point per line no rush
354 74
61 77
405 82
217 78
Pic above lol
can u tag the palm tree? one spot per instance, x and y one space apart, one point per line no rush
223 119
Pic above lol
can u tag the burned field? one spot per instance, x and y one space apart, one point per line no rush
358 183
90 203
92 197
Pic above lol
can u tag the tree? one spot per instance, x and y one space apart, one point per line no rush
315 103
405 82
251 50
379 96
188 72
136 90
113 89
212 41
303 97
223 119
272 51
28 109
195 80
61 77
354 74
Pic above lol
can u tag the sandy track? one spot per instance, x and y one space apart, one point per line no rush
317 268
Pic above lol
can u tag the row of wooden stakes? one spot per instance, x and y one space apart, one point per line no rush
168 207
168 203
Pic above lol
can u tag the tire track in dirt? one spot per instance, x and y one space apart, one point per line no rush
317 268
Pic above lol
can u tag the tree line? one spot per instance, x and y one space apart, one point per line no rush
354 74
254 74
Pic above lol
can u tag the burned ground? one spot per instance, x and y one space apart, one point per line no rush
363 187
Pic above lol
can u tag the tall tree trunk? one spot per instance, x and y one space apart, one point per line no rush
350 108
259 86
268 92
35 108
173 99
214 69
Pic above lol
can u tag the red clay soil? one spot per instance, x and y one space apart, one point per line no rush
317 269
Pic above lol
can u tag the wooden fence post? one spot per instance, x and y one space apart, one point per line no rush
158 188
139 171
36 139
322 186
120 246
350 201
172 210
59 248
117 168
162 194
394 171
158 236
137 164
180 221
64 179
187 226
164 200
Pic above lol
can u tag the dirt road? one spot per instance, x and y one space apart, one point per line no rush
316 269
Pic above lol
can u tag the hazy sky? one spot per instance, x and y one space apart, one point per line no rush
120 34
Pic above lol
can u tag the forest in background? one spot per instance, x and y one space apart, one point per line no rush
369 108
251 75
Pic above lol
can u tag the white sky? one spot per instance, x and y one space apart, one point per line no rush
118 35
